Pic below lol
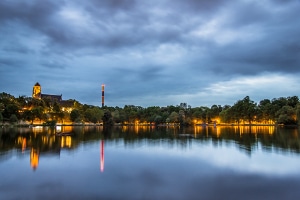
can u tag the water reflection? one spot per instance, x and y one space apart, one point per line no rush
42 141
34 158
249 137
102 156
202 162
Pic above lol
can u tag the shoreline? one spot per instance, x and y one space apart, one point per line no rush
132 125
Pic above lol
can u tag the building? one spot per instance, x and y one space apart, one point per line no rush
37 93
67 105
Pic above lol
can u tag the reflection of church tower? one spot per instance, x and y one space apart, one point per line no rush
102 156
34 158
37 91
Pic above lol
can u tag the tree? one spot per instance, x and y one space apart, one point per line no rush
38 112
75 115
107 119
214 111
93 115
174 117
56 107
286 115
38 102
7 98
265 110
11 109
1 117
292 101
2 107
13 118
226 115
181 118
244 109
168 120
97 115
183 106
173 109
116 116
158 119
28 115
298 114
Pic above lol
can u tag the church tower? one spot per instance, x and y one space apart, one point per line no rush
37 91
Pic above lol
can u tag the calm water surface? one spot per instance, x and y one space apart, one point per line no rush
150 163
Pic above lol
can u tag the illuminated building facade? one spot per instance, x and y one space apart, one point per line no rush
37 91
67 105
37 94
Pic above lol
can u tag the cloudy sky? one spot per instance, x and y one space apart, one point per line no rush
158 52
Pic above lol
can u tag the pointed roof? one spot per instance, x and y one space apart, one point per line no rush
37 84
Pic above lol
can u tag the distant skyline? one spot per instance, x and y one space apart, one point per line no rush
151 53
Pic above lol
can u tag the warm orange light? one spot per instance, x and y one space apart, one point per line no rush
34 158
23 145
68 141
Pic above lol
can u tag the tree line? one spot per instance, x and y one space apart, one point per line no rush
283 110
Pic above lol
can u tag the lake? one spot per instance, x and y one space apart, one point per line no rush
143 162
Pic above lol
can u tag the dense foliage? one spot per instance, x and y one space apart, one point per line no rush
276 111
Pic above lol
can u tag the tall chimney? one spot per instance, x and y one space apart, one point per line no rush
103 95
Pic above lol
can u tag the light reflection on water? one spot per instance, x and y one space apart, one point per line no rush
150 163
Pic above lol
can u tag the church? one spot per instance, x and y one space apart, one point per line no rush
37 94
67 105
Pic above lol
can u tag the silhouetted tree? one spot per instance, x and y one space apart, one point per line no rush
107 119
11 109
28 115
298 114
286 115
13 118
93 115
1 117
75 115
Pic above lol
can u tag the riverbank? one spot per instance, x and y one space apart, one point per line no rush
26 124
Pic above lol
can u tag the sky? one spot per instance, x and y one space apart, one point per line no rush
151 53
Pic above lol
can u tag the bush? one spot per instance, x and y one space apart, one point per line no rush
13 118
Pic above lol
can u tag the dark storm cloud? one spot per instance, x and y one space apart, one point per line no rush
119 23
139 81
53 64
32 12
17 48
149 74
277 48
196 6
248 14
41 17
112 5
6 63
274 56
162 47
277 57
284 2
